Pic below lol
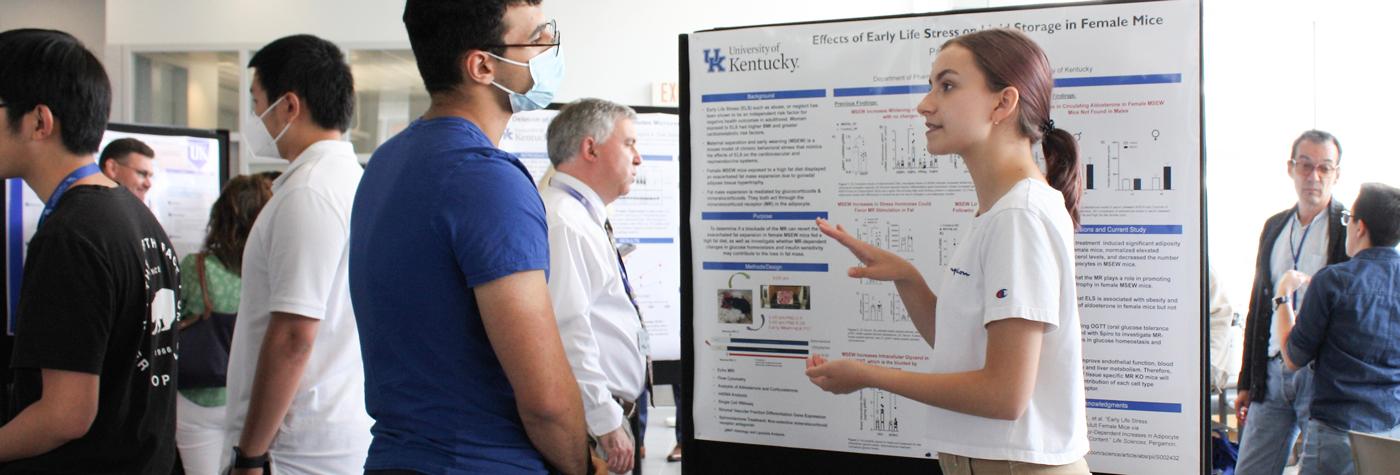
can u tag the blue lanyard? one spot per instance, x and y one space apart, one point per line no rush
1297 252
81 173
574 193
626 283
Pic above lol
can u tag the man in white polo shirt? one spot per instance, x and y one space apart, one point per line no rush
593 146
295 377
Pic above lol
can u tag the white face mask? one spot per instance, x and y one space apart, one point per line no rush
255 135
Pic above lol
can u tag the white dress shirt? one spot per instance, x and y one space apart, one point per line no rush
599 325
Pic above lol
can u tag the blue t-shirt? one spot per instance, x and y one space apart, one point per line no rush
439 211
1349 325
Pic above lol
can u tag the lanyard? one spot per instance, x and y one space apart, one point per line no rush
577 196
626 283
1297 252
643 338
81 173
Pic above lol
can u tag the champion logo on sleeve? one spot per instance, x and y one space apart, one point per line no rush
1001 294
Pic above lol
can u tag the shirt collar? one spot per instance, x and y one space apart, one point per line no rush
595 205
313 154
1378 253
1322 216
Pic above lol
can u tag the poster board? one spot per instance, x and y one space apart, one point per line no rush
787 123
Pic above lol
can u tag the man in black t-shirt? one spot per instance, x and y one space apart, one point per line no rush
94 365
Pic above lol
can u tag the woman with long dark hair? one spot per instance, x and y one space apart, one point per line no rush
210 286
1007 390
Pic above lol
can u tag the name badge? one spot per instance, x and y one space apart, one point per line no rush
644 342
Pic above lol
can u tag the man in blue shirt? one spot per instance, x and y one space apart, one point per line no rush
464 369
1348 329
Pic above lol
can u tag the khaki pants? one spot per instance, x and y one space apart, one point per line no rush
600 460
959 465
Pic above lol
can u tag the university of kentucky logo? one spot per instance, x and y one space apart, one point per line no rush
715 60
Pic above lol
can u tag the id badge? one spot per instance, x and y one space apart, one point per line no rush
644 341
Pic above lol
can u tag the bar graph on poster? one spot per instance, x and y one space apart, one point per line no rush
790 123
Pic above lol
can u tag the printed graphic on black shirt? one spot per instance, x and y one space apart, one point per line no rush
163 307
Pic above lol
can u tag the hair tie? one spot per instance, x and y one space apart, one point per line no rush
1046 127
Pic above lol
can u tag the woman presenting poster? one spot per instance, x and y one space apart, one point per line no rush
1007 389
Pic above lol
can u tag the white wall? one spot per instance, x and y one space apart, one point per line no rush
83 19
615 48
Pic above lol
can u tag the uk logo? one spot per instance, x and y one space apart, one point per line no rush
715 60
1001 294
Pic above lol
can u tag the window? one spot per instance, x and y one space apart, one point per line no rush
187 89
389 94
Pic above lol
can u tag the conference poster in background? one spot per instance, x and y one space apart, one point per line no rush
791 123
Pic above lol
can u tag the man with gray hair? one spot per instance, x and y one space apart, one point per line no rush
593 147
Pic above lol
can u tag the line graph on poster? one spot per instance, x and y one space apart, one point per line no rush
890 150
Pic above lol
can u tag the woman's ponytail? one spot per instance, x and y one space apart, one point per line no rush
1062 168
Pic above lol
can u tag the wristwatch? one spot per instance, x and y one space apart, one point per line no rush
1282 299
242 461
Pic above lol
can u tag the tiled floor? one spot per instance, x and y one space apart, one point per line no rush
660 439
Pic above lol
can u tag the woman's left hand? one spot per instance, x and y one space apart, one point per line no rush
838 376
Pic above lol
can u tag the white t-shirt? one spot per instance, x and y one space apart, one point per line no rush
1015 261
296 261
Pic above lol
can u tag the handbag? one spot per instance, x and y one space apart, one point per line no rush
205 341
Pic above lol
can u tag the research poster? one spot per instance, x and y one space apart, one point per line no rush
646 222
184 187
797 122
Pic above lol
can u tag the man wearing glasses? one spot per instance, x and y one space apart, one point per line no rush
131 163
1273 401
1347 330
464 368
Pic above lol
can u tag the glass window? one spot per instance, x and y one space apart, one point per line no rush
187 89
389 94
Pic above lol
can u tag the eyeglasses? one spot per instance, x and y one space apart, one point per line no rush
144 174
1346 218
547 35
1304 168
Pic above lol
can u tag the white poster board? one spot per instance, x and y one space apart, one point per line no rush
793 122
648 217
185 185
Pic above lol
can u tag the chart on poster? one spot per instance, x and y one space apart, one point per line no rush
791 123
647 219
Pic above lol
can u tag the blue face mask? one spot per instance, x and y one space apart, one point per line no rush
547 70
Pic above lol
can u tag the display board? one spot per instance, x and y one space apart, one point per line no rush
648 218
191 167
789 123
